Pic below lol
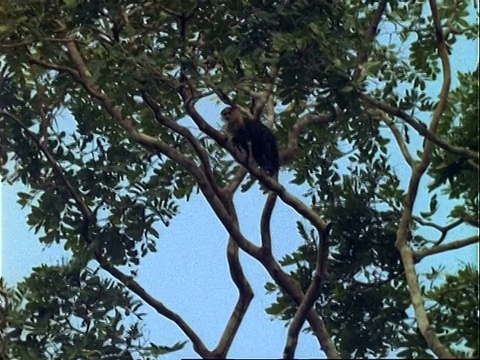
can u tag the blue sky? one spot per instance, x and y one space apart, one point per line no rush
189 273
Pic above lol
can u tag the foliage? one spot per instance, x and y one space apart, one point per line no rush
460 127
60 313
100 118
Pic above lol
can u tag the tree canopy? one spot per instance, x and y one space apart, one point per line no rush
102 118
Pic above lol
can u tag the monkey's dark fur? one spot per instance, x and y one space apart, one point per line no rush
247 132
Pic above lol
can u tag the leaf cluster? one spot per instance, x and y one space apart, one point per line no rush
61 312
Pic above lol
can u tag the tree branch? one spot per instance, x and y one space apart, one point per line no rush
294 290
245 292
398 137
137 289
419 255
126 280
265 222
299 128
422 130
443 229
362 55
426 329
200 151
310 297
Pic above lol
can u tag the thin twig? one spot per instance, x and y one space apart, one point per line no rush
398 137
422 130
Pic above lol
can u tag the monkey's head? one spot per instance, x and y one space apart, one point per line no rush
231 114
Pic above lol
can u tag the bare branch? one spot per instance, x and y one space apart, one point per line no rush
419 255
245 296
398 137
294 290
310 296
245 292
426 329
473 221
442 104
13 45
265 222
299 128
473 164
443 229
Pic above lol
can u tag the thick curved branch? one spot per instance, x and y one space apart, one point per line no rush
293 289
245 296
245 292
299 128
265 222
471 220
419 255
403 232
310 297
473 164
442 104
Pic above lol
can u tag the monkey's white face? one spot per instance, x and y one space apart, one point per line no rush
227 114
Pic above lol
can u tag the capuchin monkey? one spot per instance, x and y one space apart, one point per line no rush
249 134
